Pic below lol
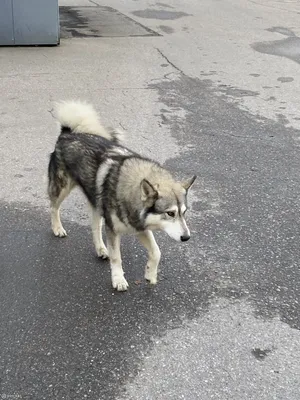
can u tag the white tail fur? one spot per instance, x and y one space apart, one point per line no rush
81 117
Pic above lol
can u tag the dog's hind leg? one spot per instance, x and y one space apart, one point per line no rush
59 186
117 273
55 202
148 241
97 223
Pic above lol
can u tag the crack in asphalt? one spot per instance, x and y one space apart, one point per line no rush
170 62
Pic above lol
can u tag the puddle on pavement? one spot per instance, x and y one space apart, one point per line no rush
288 47
159 14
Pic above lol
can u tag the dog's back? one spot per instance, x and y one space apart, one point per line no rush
80 148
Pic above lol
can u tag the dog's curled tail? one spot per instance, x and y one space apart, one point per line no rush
81 117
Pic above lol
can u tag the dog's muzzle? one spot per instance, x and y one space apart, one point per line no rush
184 238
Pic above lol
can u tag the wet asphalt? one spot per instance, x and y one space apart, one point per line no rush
227 300
66 334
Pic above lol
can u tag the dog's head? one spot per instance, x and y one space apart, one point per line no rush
165 204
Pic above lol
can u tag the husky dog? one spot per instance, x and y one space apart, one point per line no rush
131 193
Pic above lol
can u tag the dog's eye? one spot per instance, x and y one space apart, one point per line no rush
171 214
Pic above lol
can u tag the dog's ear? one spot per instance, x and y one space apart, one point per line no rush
148 191
188 183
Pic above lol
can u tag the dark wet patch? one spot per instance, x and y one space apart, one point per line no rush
257 219
208 73
98 22
166 29
164 65
260 354
164 110
282 31
236 92
282 119
160 14
60 318
289 48
271 98
284 79
255 75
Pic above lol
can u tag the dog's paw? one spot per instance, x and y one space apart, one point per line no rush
151 278
119 283
102 253
59 231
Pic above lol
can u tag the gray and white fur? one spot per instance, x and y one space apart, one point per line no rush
128 192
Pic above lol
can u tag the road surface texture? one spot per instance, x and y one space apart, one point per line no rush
205 87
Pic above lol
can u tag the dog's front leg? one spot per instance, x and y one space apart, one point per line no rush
148 241
97 222
117 273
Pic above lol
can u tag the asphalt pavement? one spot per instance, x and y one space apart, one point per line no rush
208 88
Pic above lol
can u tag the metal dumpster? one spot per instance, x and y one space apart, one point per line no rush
29 22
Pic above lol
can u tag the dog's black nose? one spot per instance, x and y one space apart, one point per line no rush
184 238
